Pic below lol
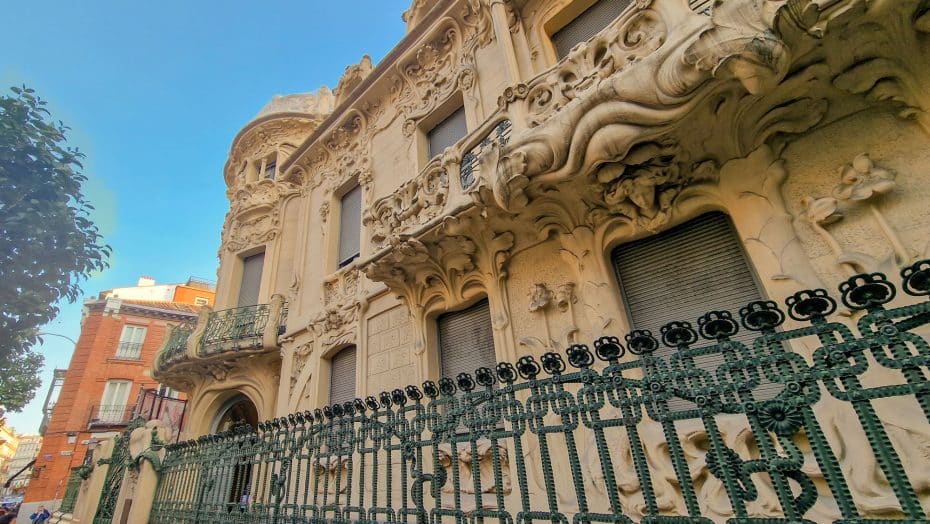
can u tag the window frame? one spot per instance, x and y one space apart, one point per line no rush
241 262
110 413
125 342
437 325
341 261
332 372
566 17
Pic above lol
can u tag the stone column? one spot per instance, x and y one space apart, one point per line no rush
146 450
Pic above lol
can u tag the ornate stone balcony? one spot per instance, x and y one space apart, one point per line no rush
222 334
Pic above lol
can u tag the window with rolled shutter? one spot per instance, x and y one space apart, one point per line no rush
342 376
447 133
350 225
466 340
685 272
587 24
251 279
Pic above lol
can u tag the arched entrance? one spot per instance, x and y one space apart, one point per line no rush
236 411
234 491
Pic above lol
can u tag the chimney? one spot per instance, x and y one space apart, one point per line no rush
145 281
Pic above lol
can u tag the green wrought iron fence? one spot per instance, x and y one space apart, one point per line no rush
242 326
71 492
589 436
119 460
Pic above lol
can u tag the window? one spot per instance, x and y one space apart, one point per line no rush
113 403
350 226
342 376
447 133
265 168
589 23
201 301
130 342
685 272
251 279
466 340
269 171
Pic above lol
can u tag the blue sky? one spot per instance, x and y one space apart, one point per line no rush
154 93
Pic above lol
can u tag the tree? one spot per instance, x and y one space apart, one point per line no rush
48 243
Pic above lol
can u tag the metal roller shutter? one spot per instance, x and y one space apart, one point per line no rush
350 225
701 6
447 132
466 340
342 376
587 24
251 279
685 272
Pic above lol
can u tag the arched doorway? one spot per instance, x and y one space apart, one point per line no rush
236 411
234 491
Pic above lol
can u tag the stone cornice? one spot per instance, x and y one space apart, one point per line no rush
377 74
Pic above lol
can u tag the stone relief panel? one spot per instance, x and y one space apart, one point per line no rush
858 201
468 465
389 343
342 287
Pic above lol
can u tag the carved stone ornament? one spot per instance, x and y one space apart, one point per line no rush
468 466
266 138
351 78
342 288
415 203
336 324
652 78
254 217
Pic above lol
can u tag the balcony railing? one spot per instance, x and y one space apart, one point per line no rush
241 328
226 331
129 350
593 434
175 347
110 415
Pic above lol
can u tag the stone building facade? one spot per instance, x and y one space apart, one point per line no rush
517 176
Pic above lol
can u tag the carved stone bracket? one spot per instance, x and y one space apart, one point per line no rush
414 204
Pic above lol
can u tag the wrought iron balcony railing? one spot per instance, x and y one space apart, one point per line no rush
129 350
226 331
241 328
110 415
175 348
615 433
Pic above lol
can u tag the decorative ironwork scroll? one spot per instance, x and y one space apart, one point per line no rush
118 461
527 441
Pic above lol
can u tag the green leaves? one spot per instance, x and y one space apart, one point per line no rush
48 245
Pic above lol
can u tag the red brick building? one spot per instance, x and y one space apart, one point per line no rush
112 362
